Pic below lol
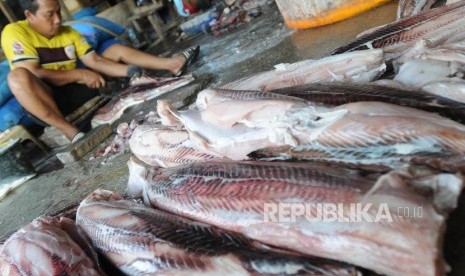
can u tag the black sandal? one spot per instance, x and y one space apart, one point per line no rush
190 54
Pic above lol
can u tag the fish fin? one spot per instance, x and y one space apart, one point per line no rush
369 45
390 179
168 114
335 76
137 173
281 66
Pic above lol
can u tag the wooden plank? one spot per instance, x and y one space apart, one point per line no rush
7 12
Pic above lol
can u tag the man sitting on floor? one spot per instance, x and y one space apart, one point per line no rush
43 57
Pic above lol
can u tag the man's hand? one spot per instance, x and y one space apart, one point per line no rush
90 78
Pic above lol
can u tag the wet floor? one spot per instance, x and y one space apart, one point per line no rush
252 48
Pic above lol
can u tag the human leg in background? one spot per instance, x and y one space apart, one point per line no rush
176 64
36 97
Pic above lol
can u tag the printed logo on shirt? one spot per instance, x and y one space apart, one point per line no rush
70 51
18 48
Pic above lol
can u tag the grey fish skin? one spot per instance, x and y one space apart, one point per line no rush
409 8
232 196
337 93
396 37
146 241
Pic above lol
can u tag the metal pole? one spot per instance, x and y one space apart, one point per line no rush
7 12
67 14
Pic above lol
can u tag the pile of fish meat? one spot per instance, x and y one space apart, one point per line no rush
432 39
333 109
213 163
236 125
209 218
237 184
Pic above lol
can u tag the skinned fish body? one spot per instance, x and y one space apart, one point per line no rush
448 52
147 78
454 90
46 247
338 93
226 121
145 241
360 132
134 95
164 146
381 134
413 74
247 198
361 66
453 52
439 26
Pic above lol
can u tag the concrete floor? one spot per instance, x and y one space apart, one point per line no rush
252 48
